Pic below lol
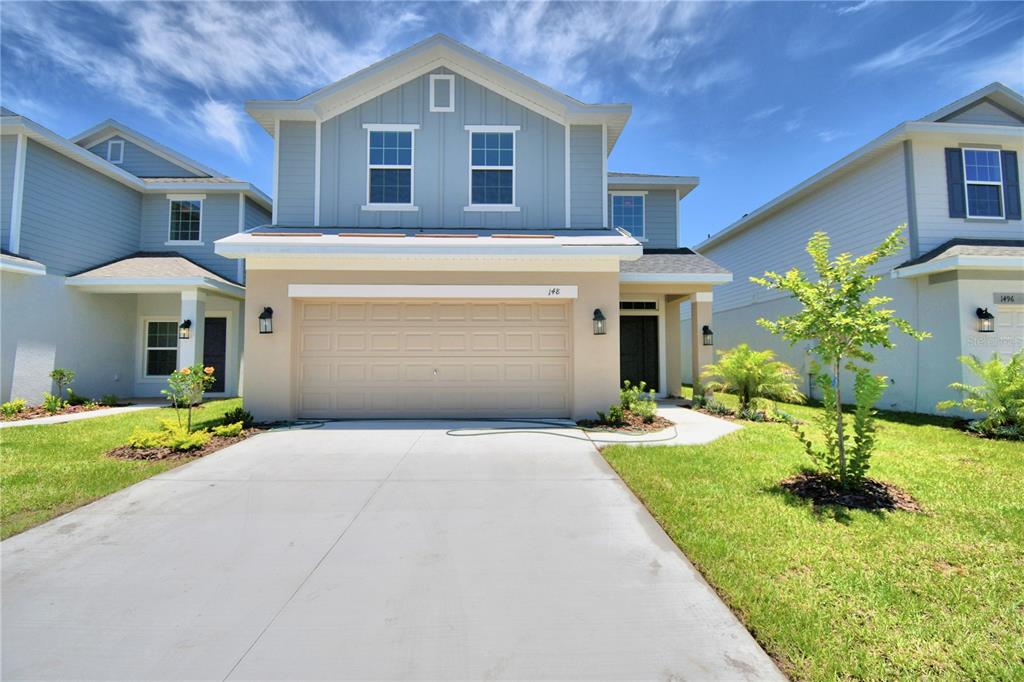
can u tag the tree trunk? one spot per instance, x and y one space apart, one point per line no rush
839 425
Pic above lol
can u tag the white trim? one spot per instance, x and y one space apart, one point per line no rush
389 207
475 129
392 127
493 208
277 171
676 278
568 176
1002 189
434 77
183 242
1004 263
110 151
316 176
604 173
643 195
679 229
18 194
21 266
492 129
143 369
431 291
240 272
703 297
186 197
629 192
112 128
171 198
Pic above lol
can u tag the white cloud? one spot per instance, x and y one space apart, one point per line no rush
1006 67
829 135
762 114
225 122
796 121
853 8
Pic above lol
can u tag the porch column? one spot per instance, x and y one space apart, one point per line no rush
700 315
673 346
193 307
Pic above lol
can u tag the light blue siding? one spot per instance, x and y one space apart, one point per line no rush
8 150
219 219
441 175
660 219
586 175
72 217
255 215
296 173
143 163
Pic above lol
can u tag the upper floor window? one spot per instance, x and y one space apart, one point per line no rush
442 93
983 178
628 213
186 220
390 167
115 151
492 166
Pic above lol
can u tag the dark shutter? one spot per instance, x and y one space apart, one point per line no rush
955 183
1011 185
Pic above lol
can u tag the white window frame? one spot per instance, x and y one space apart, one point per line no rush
144 360
470 206
1002 188
611 210
392 128
120 151
171 198
434 77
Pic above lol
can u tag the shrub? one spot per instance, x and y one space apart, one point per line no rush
110 400
228 430
75 399
645 409
63 378
752 375
13 407
630 395
716 407
999 396
239 414
616 415
52 403
171 435
185 388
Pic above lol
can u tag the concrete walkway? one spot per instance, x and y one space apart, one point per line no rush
387 550
691 428
76 416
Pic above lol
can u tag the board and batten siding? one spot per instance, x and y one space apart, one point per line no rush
142 162
586 183
934 226
857 210
441 162
986 113
72 217
8 152
219 219
296 173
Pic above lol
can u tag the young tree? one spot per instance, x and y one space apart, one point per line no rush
840 317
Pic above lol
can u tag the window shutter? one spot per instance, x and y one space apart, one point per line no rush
955 183
1011 185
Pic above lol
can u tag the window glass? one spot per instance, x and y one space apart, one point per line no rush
492 157
390 148
492 187
982 165
161 348
390 167
628 213
390 186
983 201
185 220
493 149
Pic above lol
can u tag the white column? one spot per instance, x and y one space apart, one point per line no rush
193 307
700 315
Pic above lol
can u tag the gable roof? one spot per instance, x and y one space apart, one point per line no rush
111 128
979 254
996 93
423 57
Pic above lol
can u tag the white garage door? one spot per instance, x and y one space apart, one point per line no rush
433 358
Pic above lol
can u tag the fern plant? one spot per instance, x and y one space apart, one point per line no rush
999 395
752 375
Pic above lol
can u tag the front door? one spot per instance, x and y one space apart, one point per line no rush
215 346
638 349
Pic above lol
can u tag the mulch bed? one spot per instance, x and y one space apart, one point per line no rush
631 424
875 495
38 411
154 454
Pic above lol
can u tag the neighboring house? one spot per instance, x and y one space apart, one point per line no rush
444 243
107 251
953 178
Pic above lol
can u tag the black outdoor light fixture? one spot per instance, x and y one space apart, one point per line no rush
709 336
267 321
185 329
986 320
599 323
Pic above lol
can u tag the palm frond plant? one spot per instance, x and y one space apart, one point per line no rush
753 375
999 395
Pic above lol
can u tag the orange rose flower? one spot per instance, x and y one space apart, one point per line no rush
186 370
208 371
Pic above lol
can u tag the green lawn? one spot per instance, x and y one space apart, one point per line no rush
855 595
48 470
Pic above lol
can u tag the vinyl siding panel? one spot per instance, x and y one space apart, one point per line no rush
934 226
255 215
142 162
586 175
8 151
74 218
986 113
660 219
296 172
219 219
441 161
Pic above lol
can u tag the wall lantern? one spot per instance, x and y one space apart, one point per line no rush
267 321
986 320
709 336
599 323
185 329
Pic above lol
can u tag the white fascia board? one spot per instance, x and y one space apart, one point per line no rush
310 247
684 185
431 291
21 266
676 277
997 89
153 285
1014 264
246 188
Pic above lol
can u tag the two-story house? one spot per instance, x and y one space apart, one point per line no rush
447 240
953 178
108 266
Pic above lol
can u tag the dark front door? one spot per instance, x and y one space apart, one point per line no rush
638 349
215 347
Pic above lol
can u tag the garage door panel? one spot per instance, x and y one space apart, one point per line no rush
434 359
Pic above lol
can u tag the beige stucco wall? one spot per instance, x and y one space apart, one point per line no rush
270 359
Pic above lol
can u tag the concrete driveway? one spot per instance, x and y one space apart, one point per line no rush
369 551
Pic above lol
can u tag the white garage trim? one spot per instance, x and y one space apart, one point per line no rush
430 291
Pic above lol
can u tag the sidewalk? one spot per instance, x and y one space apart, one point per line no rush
141 404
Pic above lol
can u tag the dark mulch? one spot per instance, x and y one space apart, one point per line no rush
874 495
631 424
152 454
37 411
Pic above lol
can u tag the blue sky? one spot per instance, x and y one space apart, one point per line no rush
752 97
